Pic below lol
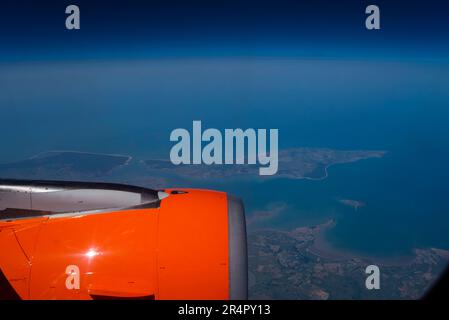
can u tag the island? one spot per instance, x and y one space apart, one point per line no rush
294 163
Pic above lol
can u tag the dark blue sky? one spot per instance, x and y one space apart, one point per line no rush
35 30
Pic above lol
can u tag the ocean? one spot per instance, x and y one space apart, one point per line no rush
130 107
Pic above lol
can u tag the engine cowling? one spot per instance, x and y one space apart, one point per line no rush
105 241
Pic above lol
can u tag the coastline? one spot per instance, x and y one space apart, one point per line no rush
327 166
81 152
321 247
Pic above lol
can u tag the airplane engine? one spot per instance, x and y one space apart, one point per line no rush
74 240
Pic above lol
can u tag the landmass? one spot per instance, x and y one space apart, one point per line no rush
312 163
300 264
294 163
64 165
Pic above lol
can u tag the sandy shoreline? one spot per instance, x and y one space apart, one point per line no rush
321 247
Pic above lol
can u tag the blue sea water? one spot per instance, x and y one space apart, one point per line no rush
130 107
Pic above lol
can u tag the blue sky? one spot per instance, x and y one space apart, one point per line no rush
410 30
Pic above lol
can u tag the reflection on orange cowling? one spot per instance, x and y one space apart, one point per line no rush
177 250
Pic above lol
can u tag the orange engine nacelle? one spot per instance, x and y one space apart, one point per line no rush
68 240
